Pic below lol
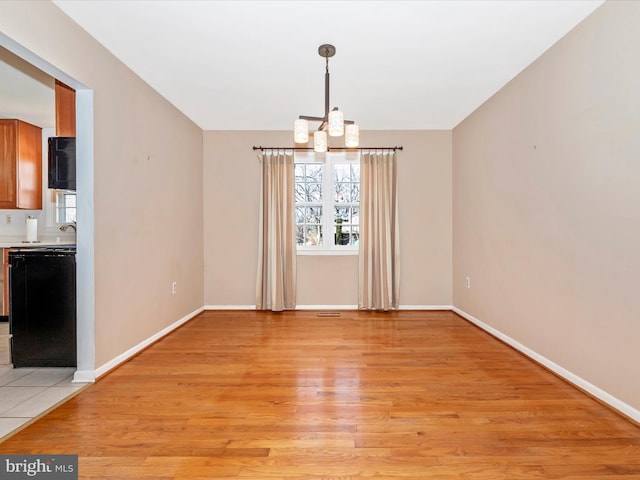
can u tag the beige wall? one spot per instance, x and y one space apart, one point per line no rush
148 187
546 201
231 196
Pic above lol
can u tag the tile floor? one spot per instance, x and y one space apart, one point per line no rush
26 393
5 356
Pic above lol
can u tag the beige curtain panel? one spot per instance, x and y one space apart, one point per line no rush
379 255
276 283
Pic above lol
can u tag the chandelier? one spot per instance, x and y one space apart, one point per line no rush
332 122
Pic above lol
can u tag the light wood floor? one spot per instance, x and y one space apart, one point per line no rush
408 395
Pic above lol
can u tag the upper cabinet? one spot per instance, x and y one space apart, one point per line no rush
65 110
20 165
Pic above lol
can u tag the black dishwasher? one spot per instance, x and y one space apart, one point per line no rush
42 307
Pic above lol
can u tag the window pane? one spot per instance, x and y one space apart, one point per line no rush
342 192
342 172
299 215
341 214
301 192
342 239
308 235
308 172
313 235
300 235
355 215
346 235
314 172
314 192
355 172
308 182
308 192
351 236
65 207
314 215
355 235
355 192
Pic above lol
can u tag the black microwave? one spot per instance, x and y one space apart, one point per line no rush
62 163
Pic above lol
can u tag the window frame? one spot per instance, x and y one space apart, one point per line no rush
58 207
328 160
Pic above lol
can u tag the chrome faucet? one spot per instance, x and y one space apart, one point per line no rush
69 225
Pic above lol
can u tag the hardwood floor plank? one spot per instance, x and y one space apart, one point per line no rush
400 395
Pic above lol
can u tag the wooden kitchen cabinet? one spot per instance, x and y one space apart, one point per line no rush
65 110
20 165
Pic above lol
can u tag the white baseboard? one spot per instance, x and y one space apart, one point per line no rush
84 376
328 307
425 307
142 345
229 307
570 377
298 307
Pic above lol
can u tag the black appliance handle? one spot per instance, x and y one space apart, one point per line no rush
15 261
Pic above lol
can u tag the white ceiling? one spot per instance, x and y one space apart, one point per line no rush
254 65
25 91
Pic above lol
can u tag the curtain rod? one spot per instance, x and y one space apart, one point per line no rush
329 149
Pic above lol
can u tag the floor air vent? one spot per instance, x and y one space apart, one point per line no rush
328 314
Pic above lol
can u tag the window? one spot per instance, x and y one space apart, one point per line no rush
65 207
327 203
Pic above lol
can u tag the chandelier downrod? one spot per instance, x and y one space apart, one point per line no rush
326 51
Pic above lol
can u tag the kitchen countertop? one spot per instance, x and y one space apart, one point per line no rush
16 241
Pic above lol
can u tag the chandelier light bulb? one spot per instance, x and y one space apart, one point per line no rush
352 135
320 141
301 131
336 123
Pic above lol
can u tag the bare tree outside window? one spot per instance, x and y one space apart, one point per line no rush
327 200
309 208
